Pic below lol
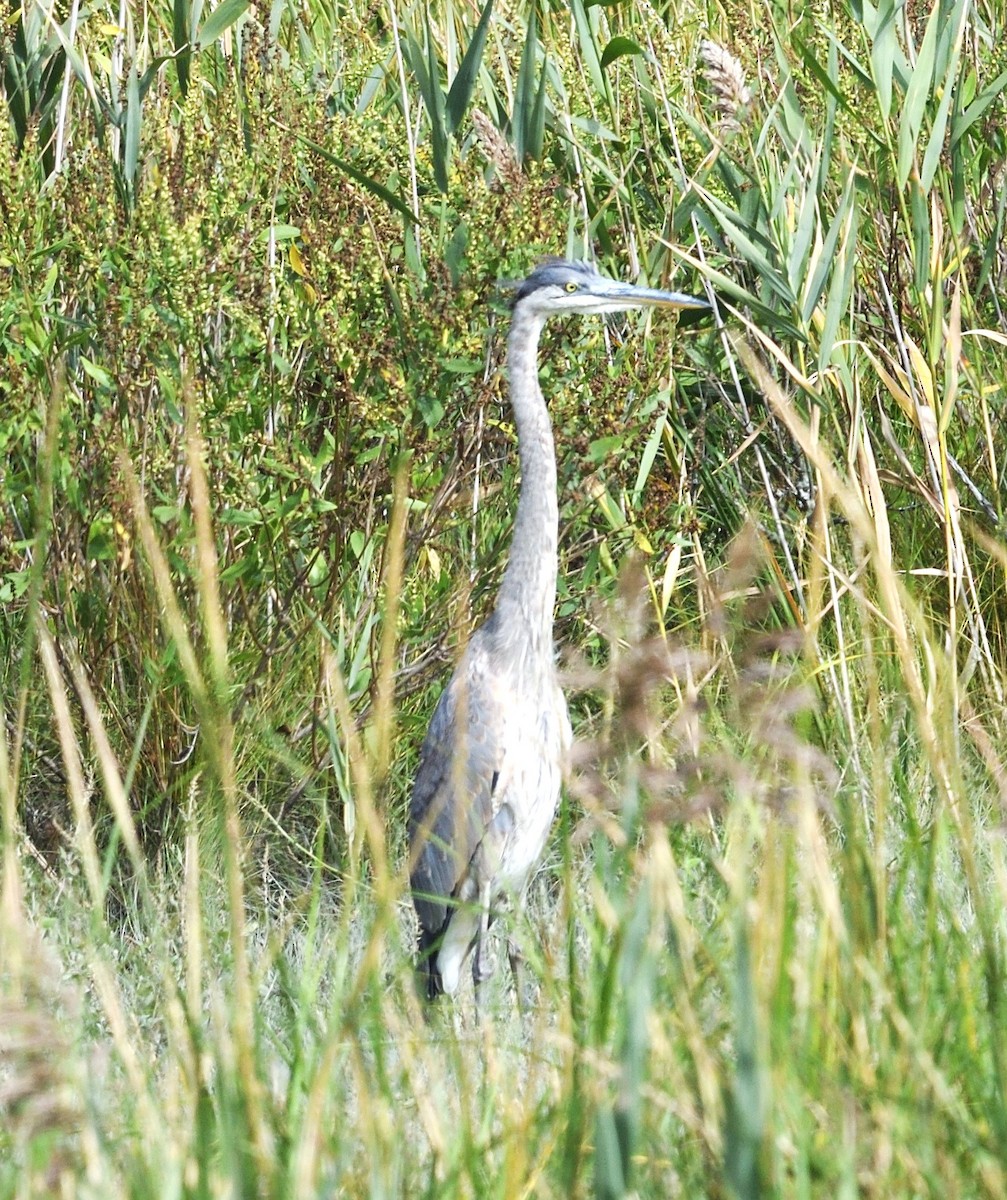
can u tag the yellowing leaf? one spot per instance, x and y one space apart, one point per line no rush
641 541
896 390
296 261
670 576
433 562
921 368
992 334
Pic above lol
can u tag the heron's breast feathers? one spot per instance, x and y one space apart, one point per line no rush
488 782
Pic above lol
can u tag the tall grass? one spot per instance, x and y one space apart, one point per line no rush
256 488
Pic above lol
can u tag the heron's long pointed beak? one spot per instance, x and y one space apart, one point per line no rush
630 294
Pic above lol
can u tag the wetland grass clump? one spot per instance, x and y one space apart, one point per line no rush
258 476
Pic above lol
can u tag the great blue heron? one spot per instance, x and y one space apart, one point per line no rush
491 765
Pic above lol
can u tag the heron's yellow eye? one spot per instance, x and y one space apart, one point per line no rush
571 286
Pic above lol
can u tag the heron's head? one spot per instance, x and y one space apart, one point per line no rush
578 287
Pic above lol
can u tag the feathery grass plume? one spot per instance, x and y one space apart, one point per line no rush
726 80
498 151
681 714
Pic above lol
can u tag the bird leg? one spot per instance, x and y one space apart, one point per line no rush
515 955
482 962
516 960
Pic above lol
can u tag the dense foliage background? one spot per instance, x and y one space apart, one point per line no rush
257 480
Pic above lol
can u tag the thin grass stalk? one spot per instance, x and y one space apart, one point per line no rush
218 742
39 552
115 792
411 134
874 534
76 786
940 748
708 1119
384 713
307 1157
193 931
64 100
821 574
11 891
172 617
371 827
220 730
207 565
123 1037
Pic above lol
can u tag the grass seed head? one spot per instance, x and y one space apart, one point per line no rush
726 80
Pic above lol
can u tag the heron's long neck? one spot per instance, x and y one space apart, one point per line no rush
528 591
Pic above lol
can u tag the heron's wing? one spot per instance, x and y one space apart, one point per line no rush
453 799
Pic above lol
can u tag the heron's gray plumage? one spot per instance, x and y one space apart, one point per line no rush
491 765
462 754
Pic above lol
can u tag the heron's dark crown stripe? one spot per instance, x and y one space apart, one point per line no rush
554 271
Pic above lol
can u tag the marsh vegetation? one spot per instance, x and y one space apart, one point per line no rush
257 481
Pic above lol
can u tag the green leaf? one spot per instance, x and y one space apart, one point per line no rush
920 212
180 40
826 258
588 47
610 1157
883 52
134 112
768 319
101 545
416 59
220 21
279 233
806 201
744 1128
956 172
148 77
365 181
461 366
650 450
611 511
964 120
439 142
535 136
829 132
816 69
855 65
195 16
602 132
842 284
935 146
80 68
49 283
619 47
792 123
524 92
917 95
604 447
17 583
752 245
431 410
239 518
454 252
464 82
95 372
